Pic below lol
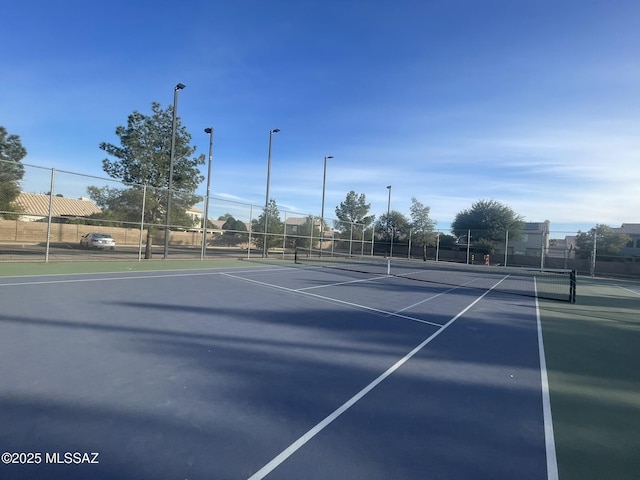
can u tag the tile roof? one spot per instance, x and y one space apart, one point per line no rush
630 228
38 205
301 220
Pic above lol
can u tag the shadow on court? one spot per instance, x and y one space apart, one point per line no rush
192 388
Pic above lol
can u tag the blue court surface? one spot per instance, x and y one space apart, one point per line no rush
278 372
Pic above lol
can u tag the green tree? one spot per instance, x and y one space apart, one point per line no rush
446 241
487 221
143 158
119 206
608 242
275 227
235 231
11 172
394 225
353 212
422 225
124 206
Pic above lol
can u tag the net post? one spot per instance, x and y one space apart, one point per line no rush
573 282
388 266
295 256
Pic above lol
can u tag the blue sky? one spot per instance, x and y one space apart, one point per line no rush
535 104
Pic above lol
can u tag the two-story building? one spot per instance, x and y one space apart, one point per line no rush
632 249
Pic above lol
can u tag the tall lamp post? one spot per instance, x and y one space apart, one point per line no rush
266 203
388 221
178 87
208 130
324 184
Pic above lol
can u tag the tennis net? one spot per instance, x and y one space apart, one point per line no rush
553 284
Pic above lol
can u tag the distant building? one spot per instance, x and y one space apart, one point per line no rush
195 214
562 247
299 225
533 241
632 249
34 207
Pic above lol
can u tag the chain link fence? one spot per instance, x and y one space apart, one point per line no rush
57 219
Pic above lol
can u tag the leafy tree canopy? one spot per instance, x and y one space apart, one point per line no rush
608 242
143 158
355 209
275 226
235 231
488 221
422 225
446 240
11 171
353 212
122 206
395 224
145 152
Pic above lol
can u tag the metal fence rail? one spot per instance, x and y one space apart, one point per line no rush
49 221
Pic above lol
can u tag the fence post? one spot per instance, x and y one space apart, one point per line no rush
144 201
373 238
506 247
542 247
46 252
284 236
592 266
250 230
351 238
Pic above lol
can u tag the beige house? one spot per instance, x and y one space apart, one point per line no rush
34 207
195 214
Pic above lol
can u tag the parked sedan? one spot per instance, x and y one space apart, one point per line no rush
98 240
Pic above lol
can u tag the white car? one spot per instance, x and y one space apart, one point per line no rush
98 240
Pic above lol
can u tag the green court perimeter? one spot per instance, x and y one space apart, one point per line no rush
68 268
593 361
592 354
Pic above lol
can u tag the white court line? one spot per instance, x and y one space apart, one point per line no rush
389 276
628 289
549 439
334 300
372 279
295 446
435 296
151 275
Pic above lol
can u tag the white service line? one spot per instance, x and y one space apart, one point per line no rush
628 289
372 279
549 439
151 275
334 300
295 446
434 296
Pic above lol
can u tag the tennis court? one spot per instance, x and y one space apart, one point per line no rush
274 371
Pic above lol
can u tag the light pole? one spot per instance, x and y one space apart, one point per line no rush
324 183
266 203
208 130
389 220
179 86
